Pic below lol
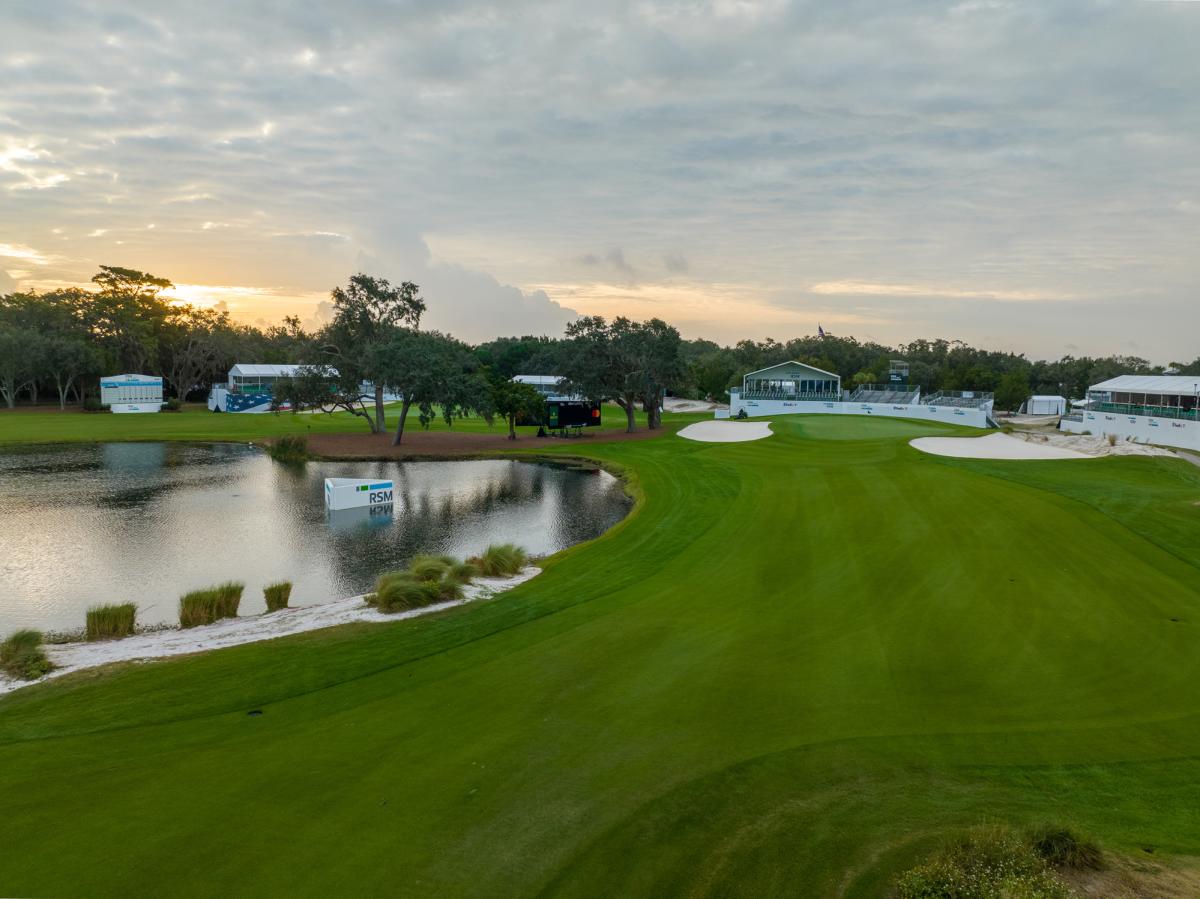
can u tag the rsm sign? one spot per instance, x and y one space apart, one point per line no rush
355 493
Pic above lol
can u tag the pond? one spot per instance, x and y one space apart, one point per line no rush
87 524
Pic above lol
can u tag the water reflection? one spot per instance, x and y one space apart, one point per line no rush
114 522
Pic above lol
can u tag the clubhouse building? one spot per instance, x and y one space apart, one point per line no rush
796 388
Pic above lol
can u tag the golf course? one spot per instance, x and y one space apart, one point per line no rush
795 667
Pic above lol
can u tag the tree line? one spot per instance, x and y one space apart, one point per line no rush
57 344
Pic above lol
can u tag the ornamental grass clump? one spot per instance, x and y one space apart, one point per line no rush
430 568
1064 850
985 863
111 621
22 656
206 606
291 449
500 560
399 591
277 595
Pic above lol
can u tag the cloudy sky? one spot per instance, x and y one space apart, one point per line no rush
1024 175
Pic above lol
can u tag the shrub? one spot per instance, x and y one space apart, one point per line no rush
173 404
984 863
1063 849
277 595
500 560
462 572
93 404
291 449
108 622
207 606
399 591
1112 439
430 568
22 656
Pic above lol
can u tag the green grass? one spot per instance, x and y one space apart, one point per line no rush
277 595
111 621
195 422
794 669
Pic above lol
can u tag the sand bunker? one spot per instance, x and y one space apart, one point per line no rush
726 431
993 446
675 404
68 657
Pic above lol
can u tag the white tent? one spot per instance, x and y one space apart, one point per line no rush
1046 405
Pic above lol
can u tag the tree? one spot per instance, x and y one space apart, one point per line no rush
659 364
189 347
515 401
1013 389
433 372
322 387
66 360
127 314
626 361
20 358
365 315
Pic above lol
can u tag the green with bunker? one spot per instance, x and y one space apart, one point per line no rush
795 665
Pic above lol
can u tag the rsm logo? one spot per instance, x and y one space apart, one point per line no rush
379 497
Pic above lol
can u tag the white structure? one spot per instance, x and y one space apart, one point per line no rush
251 388
795 388
132 393
548 386
1160 409
357 493
1046 405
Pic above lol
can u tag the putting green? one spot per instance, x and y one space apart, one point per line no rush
792 668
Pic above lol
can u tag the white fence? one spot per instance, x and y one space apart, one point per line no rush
1142 428
972 418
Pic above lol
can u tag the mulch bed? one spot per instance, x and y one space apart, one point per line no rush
418 442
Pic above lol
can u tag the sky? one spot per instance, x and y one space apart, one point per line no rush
1021 175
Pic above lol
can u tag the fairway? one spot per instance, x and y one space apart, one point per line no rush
792 668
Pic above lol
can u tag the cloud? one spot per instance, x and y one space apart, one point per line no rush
675 262
24 253
7 284
885 148
862 288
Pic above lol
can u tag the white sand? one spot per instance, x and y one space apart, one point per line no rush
993 446
70 657
1092 445
726 431
675 404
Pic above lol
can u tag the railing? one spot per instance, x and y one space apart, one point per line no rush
976 400
1148 411
785 395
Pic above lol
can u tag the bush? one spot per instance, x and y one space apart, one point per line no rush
399 591
207 606
277 595
462 572
1062 849
1112 439
985 863
93 404
500 560
22 656
108 622
430 568
292 449
173 404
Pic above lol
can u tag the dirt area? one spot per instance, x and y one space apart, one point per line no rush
442 444
1135 878
675 404
1090 444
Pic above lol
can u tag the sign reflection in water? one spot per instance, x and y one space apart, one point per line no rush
83 525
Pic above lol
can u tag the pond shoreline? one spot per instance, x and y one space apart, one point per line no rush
167 642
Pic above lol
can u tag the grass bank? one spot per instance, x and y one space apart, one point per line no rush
798 665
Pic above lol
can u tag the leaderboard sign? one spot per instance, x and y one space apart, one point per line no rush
572 414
